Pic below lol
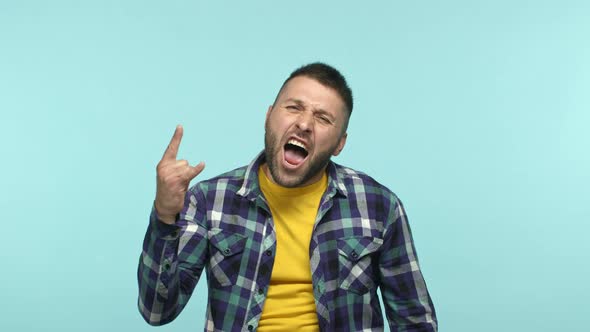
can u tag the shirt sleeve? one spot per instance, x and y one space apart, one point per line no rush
408 305
171 262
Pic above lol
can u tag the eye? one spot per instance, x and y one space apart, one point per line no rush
324 119
292 107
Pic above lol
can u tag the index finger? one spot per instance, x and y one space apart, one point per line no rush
172 149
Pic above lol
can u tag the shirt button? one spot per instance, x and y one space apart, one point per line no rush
260 290
250 327
268 253
166 265
354 254
227 251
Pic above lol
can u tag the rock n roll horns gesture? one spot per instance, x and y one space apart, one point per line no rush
174 177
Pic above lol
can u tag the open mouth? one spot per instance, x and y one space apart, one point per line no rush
295 152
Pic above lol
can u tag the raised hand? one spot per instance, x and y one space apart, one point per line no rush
174 177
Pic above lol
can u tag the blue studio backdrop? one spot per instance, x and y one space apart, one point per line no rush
475 113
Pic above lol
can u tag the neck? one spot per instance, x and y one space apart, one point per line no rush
317 177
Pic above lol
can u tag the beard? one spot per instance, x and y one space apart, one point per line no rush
315 163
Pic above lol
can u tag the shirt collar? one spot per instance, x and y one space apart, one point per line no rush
250 188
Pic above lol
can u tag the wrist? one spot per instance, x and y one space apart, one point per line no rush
167 219
164 216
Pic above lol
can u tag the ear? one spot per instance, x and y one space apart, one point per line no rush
267 116
340 146
268 112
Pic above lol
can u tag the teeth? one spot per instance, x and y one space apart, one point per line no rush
297 143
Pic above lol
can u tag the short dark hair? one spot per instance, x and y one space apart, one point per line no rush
327 76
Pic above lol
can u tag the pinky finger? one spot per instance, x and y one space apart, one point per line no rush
196 170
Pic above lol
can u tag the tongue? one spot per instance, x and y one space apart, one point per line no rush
293 157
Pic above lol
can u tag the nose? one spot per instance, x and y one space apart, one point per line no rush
305 121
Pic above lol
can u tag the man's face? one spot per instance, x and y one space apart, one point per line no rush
303 129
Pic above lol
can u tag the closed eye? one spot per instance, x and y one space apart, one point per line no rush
324 117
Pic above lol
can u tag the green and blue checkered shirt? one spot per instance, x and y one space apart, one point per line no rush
361 242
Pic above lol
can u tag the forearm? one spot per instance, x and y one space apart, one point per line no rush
408 305
157 273
406 299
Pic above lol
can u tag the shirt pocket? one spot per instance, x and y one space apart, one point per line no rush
355 257
226 251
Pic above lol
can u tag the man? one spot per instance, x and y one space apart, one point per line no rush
291 242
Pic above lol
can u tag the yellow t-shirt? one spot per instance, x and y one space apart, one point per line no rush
290 304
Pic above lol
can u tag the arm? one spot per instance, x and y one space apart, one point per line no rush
175 244
171 263
408 305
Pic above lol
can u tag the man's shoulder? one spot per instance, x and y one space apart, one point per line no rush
356 181
363 191
233 179
236 174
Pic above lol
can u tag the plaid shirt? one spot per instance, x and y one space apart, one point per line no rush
361 241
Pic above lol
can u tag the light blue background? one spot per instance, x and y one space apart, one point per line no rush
475 113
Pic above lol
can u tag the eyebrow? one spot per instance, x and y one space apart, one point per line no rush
300 103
